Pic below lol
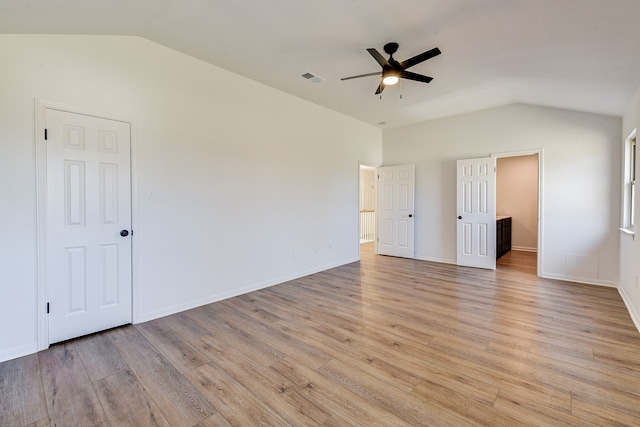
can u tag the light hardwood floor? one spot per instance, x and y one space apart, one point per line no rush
523 261
380 342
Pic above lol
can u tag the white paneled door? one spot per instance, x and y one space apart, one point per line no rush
88 224
395 210
476 222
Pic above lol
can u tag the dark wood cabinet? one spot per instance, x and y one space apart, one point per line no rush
503 235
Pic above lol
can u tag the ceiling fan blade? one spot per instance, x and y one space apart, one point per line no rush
377 73
420 58
378 57
417 77
380 88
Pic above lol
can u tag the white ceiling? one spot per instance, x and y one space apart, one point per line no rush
577 54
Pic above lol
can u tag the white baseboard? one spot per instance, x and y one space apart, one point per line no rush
630 308
523 249
582 280
439 260
585 281
145 317
14 353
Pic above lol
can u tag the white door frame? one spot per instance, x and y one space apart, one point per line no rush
41 107
539 152
375 203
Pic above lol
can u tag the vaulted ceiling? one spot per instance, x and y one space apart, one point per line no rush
577 54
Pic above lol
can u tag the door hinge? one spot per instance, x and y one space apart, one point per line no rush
47 308
45 134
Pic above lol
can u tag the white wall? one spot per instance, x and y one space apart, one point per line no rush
630 245
517 196
367 188
253 186
581 181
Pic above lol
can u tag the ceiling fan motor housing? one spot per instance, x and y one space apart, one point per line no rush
391 48
393 70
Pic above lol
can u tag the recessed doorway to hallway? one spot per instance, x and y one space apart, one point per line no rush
367 204
517 197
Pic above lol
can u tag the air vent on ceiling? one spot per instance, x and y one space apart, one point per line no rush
312 77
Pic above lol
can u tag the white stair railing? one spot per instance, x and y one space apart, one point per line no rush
367 226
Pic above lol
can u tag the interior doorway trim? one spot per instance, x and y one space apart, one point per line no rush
362 165
539 152
41 107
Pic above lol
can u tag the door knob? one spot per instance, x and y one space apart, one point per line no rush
124 233
460 217
410 216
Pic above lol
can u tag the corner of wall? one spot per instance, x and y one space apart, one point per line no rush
20 351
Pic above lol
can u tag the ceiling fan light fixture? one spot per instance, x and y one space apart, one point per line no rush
390 79
393 71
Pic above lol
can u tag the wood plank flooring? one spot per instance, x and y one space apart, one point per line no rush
524 261
380 342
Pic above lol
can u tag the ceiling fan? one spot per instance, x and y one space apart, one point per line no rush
393 70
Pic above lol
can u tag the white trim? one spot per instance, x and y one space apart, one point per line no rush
540 153
375 203
523 249
41 107
581 281
42 331
241 291
437 260
630 307
625 219
135 235
14 353
627 231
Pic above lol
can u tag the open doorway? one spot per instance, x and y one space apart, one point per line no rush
367 207
517 212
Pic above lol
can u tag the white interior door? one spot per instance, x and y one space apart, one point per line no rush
395 210
88 224
476 207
